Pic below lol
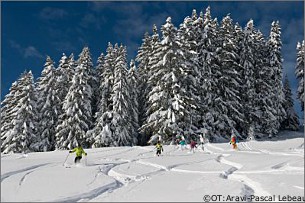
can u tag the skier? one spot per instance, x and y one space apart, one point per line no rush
79 151
233 140
159 148
177 141
203 138
202 142
182 144
193 145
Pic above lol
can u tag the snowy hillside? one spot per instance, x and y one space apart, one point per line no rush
260 168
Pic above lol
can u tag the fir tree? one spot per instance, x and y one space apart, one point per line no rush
300 73
143 57
147 130
48 105
22 137
292 120
77 108
275 58
187 99
229 82
9 113
210 71
64 74
102 133
121 120
247 61
163 99
133 82
265 114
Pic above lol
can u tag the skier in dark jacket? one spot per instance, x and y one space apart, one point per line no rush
193 145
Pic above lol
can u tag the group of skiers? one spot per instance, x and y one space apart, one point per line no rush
193 144
159 148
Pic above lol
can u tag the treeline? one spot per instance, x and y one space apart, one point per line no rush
202 75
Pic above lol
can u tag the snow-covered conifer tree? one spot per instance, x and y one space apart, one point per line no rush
8 113
48 105
164 101
22 136
275 64
264 113
121 120
133 81
247 61
210 72
187 98
64 75
300 72
229 82
144 55
77 108
292 120
153 59
102 133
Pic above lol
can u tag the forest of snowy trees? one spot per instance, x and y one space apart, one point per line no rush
203 74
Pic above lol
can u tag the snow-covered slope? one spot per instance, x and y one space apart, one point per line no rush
259 168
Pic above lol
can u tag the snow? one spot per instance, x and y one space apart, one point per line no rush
261 168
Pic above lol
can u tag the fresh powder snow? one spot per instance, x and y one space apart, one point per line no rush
256 169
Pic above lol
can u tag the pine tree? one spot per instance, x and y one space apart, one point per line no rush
164 101
275 58
229 82
247 62
292 120
210 72
106 84
121 121
300 72
22 137
77 108
265 114
64 75
86 61
133 81
187 72
48 105
154 58
9 113
143 57
102 133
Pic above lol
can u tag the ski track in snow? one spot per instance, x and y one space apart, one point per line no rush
298 187
87 196
264 151
279 153
212 146
6 175
250 187
23 177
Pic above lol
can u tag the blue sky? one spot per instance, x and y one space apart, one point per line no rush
33 30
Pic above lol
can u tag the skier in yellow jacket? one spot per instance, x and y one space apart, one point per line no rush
159 148
79 151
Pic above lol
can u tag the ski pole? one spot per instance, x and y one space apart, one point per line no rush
66 159
86 161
